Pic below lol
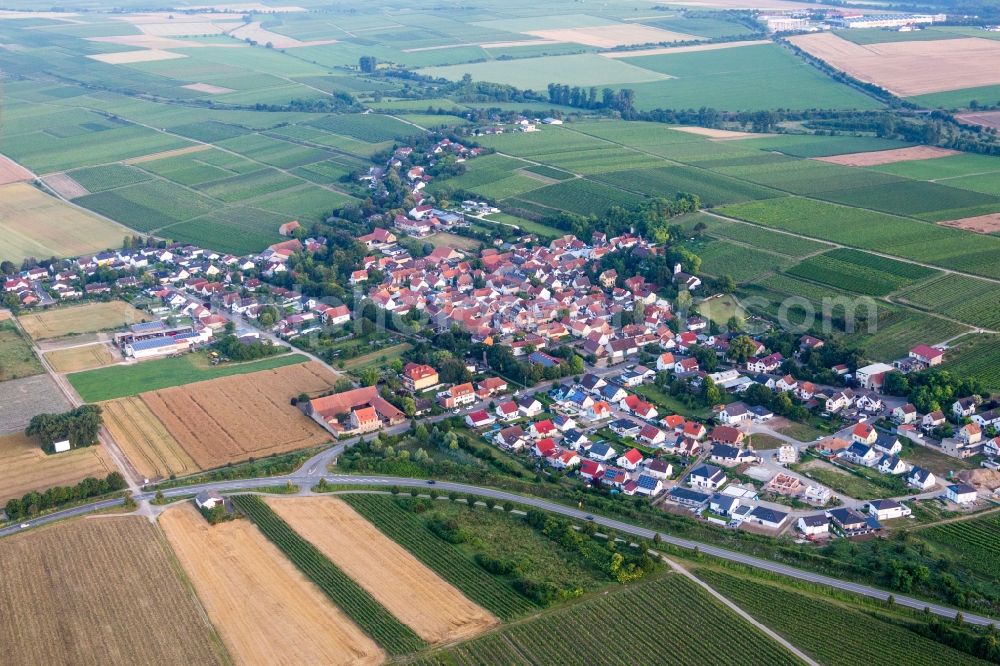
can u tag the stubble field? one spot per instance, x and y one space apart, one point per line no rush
74 359
263 607
98 591
25 467
408 589
910 68
34 224
87 318
234 418
21 399
145 441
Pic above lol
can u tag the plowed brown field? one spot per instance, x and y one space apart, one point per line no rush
265 609
408 589
152 450
235 418
99 591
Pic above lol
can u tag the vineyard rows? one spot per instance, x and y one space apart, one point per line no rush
806 621
449 562
977 541
698 630
367 613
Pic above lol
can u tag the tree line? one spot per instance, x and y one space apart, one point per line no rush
33 503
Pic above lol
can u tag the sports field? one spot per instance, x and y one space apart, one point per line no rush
35 224
435 610
73 592
263 607
25 467
101 316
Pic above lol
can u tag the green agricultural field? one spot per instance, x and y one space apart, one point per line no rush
127 380
16 357
971 300
872 230
960 99
581 196
99 179
900 330
249 185
561 636
745 78
802 617
714 189
977 356
305 202
371 128
772 241
807 145
804 176
548 172
148 205
586 69
972 541
719 257
859 272
913 197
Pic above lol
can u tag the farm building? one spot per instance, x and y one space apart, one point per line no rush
355 411
208 499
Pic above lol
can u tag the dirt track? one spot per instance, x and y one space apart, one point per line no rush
264 608
435 610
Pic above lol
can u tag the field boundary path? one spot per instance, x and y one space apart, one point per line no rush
773 635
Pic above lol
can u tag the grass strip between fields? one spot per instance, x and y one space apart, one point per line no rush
356 603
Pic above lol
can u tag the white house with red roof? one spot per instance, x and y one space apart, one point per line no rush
508 411
480 419
652 435
545 448
927 355
630 460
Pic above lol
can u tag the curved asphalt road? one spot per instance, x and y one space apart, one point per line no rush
308 480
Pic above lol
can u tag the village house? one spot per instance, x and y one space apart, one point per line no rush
961 494
707 476
457 396
419 377
887 509
357 411
920 478
816 525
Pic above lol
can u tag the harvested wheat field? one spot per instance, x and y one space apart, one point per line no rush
102 591
88 318
12 172
610 36
258 33
235 418
208 88
132 57
152 450
719 134
981 224
36 224
910 68
417 596
25 467
86 357
177 152
983 119
264 608
880 157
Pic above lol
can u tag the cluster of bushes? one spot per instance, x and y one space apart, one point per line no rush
35 502
235 349
79 426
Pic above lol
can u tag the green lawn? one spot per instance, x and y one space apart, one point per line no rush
125 380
